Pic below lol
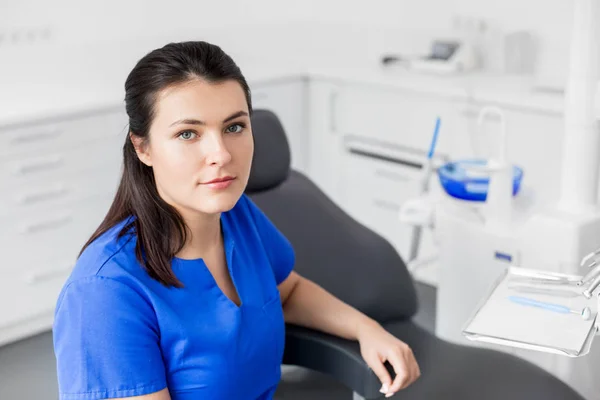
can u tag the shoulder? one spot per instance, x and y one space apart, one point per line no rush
107 265
110 255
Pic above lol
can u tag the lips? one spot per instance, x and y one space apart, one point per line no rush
218 180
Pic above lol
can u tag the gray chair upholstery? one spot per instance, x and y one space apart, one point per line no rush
364 270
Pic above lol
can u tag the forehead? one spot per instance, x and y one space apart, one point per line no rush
209 102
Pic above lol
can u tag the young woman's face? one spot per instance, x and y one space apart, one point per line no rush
200 146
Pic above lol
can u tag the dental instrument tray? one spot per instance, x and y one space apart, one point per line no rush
469 180
536 310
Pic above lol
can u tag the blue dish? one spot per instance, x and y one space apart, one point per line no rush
464 183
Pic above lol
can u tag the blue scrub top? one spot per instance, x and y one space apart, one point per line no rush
120 333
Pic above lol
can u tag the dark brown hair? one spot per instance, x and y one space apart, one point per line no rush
160 229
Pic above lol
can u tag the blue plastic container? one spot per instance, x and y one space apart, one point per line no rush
465 183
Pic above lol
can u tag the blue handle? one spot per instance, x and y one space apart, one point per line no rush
434 139
534 303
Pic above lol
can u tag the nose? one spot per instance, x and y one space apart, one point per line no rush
216 150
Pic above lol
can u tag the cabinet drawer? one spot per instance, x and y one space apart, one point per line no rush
60 191
29 241
376 182
372 167
58 135
402 117
31 170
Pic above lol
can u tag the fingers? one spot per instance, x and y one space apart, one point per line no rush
379 369
405 366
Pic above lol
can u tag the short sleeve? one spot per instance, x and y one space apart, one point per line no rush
278 247
106 341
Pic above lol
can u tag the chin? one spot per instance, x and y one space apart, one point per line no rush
218 202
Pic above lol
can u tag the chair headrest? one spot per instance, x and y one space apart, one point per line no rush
271 161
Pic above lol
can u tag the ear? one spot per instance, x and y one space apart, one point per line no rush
141 149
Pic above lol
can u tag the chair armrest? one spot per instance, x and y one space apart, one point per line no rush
334 356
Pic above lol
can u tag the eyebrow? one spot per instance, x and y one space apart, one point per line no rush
191 121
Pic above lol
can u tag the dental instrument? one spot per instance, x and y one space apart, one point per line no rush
544 279
593 255
586 313
557 291
595 271
588 291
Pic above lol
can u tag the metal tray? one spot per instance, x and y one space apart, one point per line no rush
498 320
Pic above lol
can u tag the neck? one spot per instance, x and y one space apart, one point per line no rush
204 236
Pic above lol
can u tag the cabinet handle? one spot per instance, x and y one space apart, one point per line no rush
35 136
40 276
47 224
42 195
386 205
392 175
333 96
386 158
39 164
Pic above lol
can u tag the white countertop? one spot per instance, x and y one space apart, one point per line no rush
76 78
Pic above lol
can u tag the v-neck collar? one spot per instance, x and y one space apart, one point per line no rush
229 246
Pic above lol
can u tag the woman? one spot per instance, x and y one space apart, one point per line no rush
183 290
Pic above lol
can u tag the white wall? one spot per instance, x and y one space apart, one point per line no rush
71 21
549 20
85 20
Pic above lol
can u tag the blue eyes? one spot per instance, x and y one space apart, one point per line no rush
240 126
189 135
186 135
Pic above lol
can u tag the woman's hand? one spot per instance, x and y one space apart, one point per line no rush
378 346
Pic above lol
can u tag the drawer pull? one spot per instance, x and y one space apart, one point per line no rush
42 195
35 136
40 276
39 164
381 157
386 205
394 176
46 225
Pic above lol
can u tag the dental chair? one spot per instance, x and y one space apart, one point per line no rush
363 269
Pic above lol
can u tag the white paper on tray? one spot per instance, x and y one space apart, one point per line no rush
499 320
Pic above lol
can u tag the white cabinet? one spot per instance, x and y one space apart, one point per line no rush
57 180
287 99
376 180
